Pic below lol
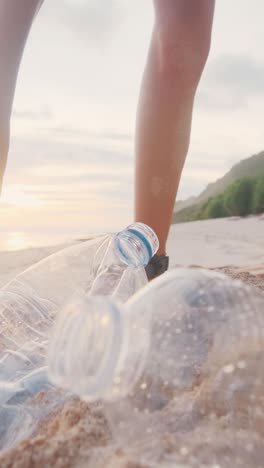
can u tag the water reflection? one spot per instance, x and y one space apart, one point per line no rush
14 241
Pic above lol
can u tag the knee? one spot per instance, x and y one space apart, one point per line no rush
182 52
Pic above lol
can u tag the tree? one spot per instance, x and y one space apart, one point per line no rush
215 208
238 199
258 196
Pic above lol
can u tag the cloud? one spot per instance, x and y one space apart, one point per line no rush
69 132
230 82
67 175
43 114
91 20
35 152
118 136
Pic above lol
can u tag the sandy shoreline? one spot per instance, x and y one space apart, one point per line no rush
237 243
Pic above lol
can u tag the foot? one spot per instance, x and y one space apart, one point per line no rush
157 265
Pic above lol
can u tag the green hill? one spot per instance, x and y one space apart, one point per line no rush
250 167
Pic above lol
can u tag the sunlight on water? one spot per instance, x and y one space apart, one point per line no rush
16 196
19 240
14 241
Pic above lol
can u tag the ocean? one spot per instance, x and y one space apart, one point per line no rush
20 240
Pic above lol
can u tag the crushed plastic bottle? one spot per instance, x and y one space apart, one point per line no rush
184 353
30 302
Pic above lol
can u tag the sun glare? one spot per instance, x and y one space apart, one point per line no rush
17 197
15 241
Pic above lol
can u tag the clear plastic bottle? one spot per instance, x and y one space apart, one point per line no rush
28 306
29 303
184 350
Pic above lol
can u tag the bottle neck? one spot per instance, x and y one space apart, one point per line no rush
98 349
109 272
136 244
86 346
133 247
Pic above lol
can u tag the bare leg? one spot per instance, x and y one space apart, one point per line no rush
15 21
178 52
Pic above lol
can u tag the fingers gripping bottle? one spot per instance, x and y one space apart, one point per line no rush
185 349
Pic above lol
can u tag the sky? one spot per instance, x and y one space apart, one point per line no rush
71 159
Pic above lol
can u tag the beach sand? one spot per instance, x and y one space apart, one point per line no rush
77 434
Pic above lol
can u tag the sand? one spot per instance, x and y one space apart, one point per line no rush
12 263
77 434
218 243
